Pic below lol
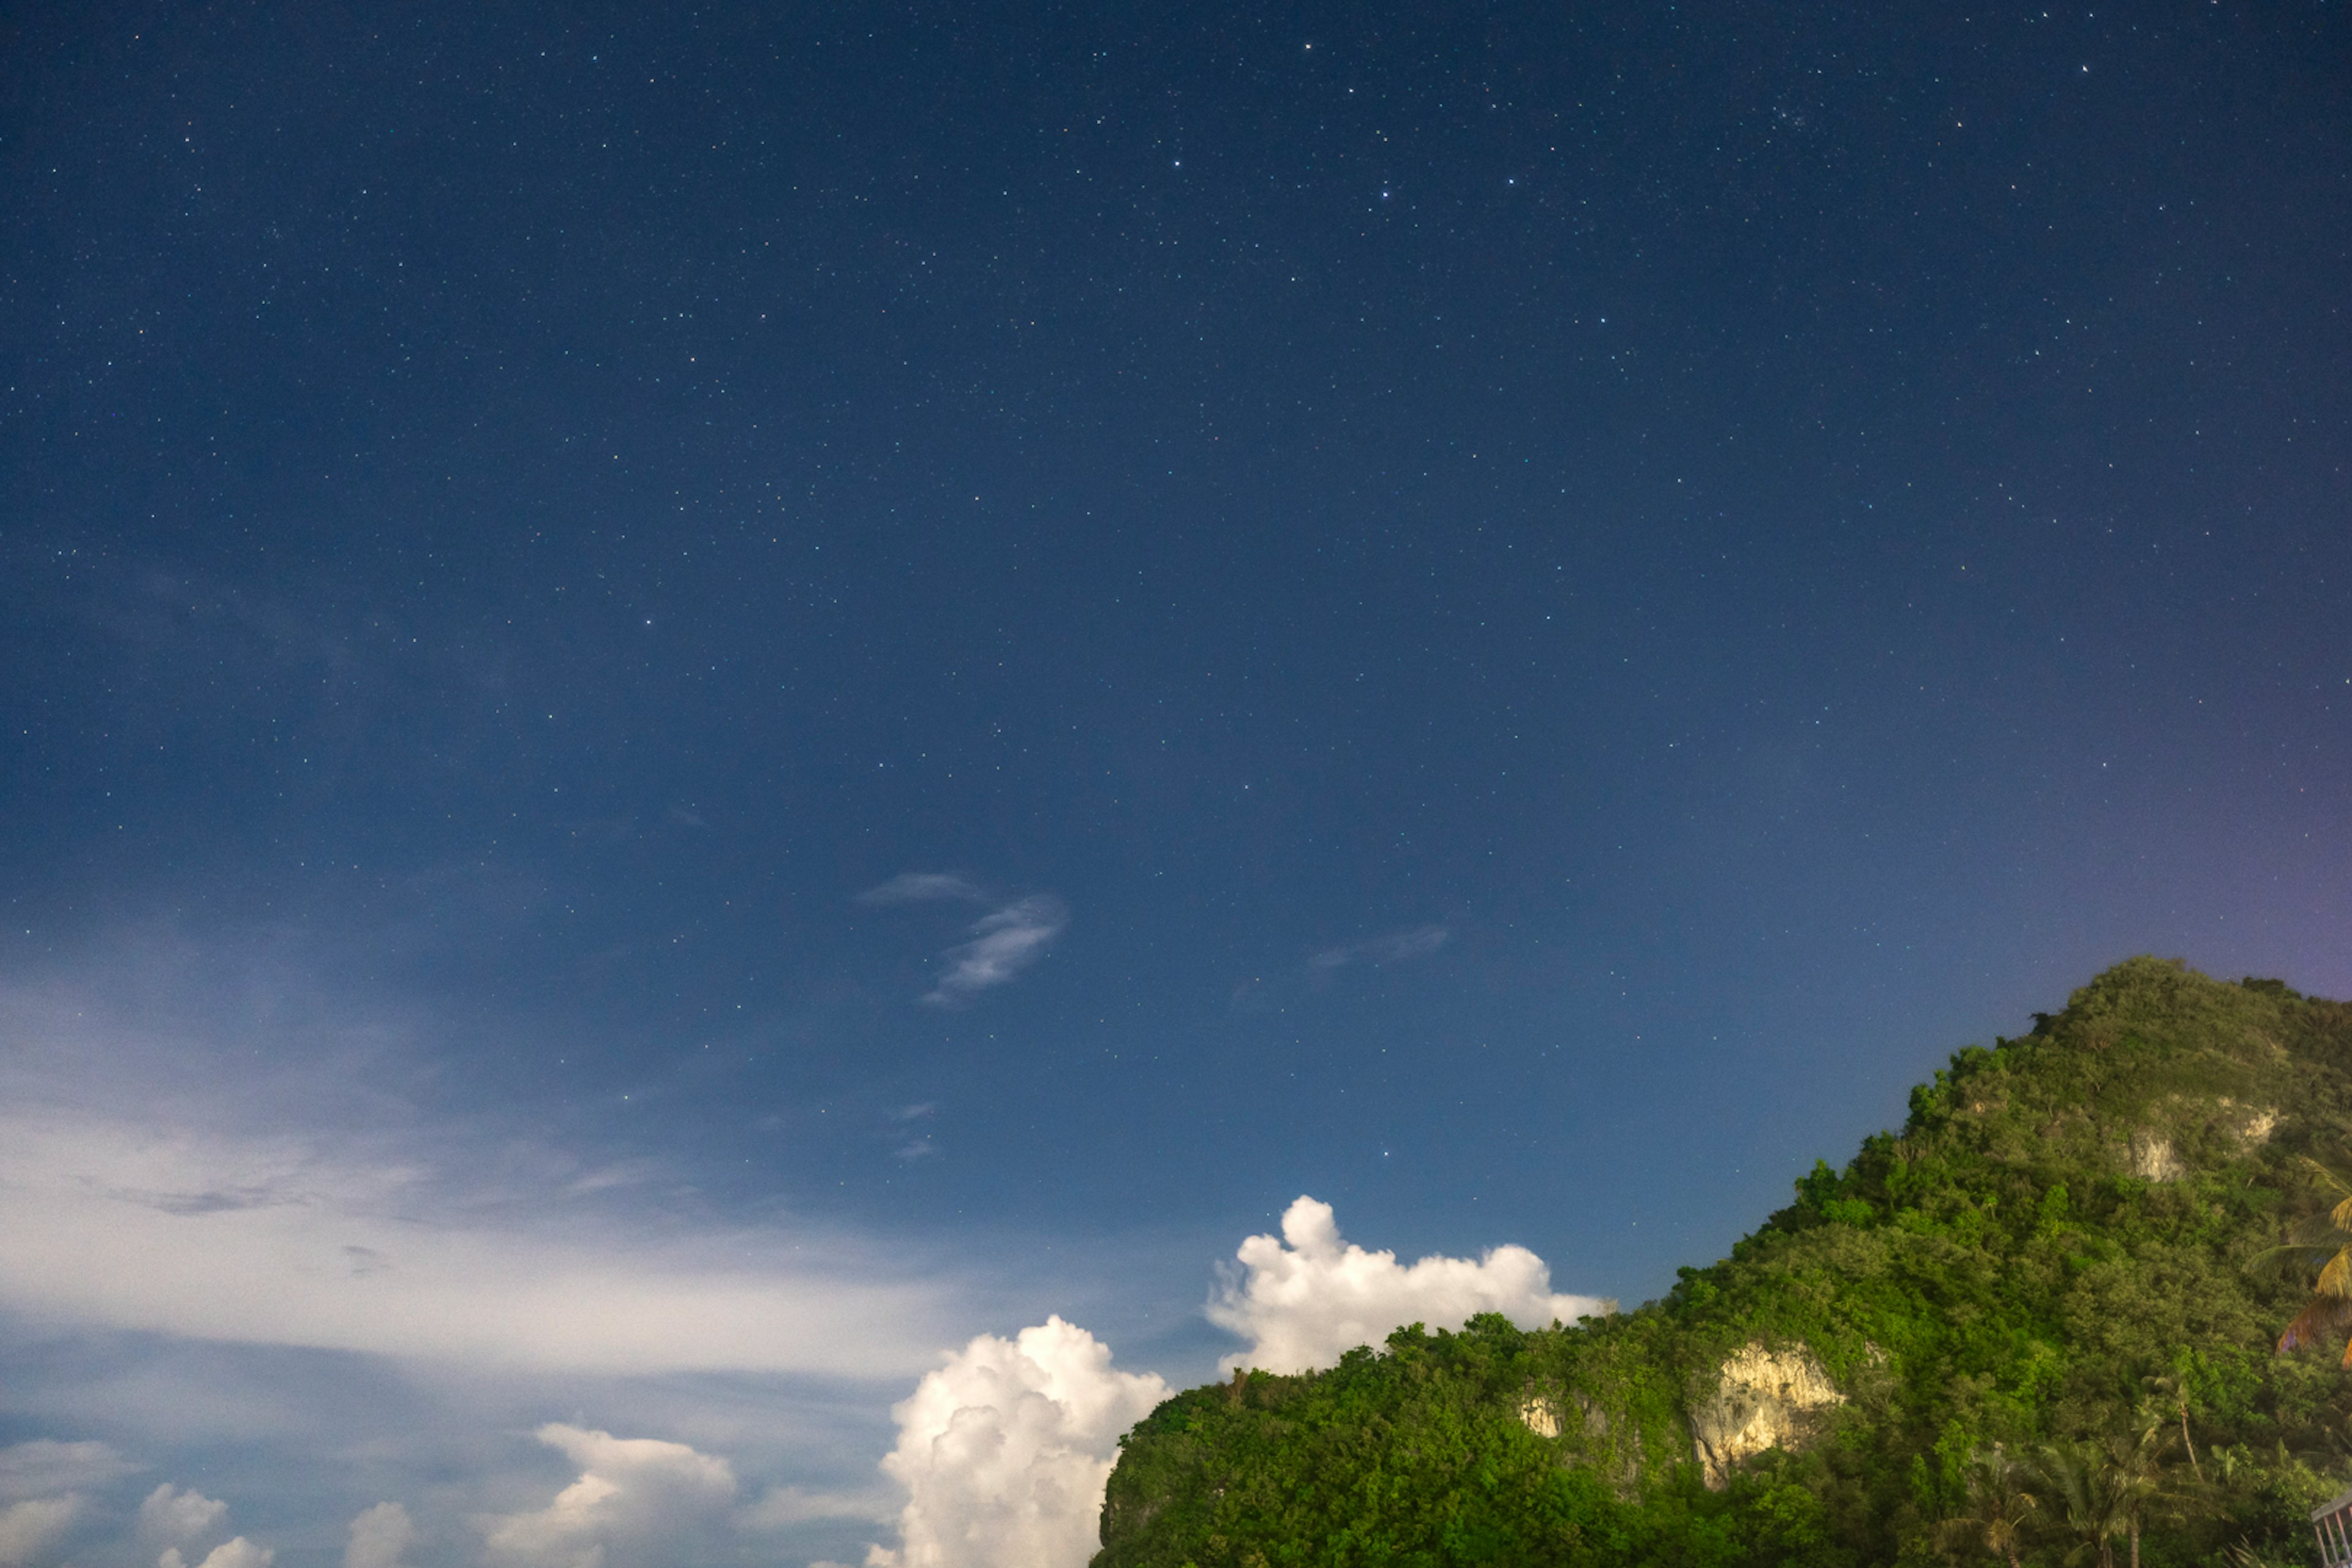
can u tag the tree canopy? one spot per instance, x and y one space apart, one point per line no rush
2046 1277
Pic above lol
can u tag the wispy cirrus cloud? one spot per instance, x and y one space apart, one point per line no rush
1395 947
923 887
1004 944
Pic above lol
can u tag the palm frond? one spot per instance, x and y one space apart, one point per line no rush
2324 1318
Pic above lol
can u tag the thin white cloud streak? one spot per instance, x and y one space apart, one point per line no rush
1396 947
1005 1449
782 1506
270 1240
1004 944
1306 1298
638 1499
921 888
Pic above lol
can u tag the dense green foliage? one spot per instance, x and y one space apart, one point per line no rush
2059 1258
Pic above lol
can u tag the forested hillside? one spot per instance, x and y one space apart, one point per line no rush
2036 1324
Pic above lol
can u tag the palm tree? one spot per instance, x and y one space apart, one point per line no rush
2325 1239
2104 1487
1998 1506
2172 1388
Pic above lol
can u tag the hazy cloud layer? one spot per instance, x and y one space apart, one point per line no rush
102 1223
44 1466
637 1501
1306 1298
1004 944
1004 1451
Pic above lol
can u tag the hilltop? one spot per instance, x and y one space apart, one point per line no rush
2062 1246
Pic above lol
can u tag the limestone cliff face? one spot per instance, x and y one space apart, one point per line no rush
1762 1399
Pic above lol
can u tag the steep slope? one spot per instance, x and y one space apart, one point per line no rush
2062 1244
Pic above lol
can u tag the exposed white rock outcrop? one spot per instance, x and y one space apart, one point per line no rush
1762 1399
2152 1158
1540 1415
2251 1125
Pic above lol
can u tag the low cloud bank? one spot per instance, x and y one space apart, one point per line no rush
1005 1451
1306 1298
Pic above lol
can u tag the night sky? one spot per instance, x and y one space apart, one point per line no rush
698 700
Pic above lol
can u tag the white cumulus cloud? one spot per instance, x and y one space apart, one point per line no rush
638 1499
29 1528
40 1484
176 1518
237 1553
1005 1451
381 1536
1306 1298
1004 944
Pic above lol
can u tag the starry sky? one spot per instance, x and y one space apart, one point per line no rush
927 658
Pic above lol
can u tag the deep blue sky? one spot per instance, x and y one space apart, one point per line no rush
1564 599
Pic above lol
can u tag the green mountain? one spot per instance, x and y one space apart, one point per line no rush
2052 1281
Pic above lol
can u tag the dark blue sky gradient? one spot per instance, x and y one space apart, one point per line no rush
1791 535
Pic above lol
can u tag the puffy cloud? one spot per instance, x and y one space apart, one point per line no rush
1004 944
179 1517
31 1527
380 1537
921 888
638 1500
1005 1451
1305 1299
183 1518
237 1553
40 1484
